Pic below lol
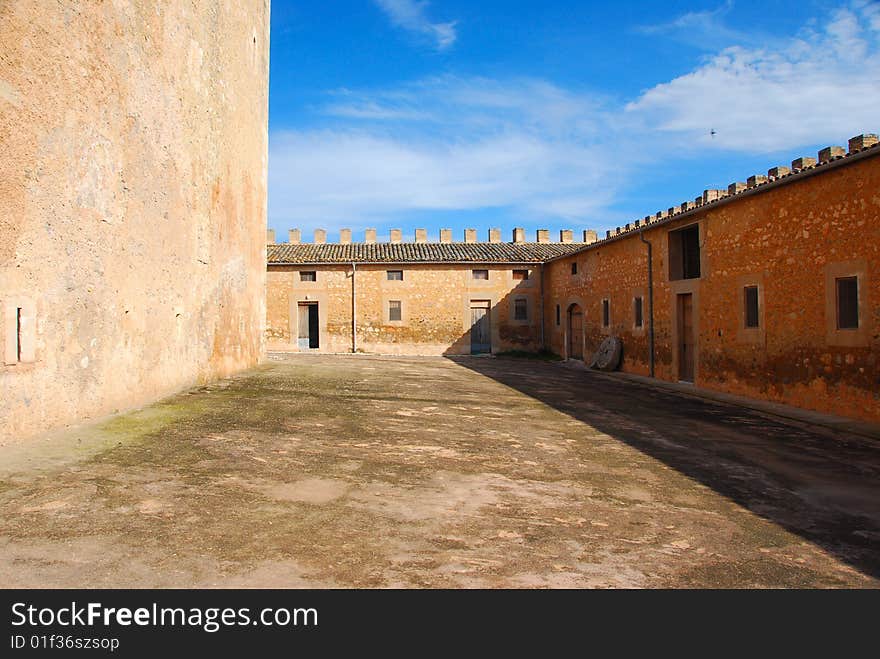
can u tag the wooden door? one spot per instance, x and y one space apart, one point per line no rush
308 326
575 332
481 336
686 343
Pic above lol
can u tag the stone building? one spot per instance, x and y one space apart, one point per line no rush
768 289
132 202
414 298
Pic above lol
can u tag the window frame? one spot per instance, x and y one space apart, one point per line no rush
678 262
474 272
855 337
399 310
303 276
606 313
837 306
520 274
574 268
638 312
521 303
389 277
757 300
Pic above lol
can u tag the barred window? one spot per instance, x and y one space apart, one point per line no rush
394 310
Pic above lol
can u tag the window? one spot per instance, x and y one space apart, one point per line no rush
394 310
308 275
606 313
750 299
481 274
18 334
520 309
638 320
557 316
395 275
847 302
520 275
684 253
574 267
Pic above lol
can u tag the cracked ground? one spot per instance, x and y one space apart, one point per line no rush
334 471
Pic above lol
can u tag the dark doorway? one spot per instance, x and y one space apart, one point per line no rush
575 332
481 337
686 337
308 326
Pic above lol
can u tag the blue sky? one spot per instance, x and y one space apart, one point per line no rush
552 114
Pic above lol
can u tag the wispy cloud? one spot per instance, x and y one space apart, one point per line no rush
544 152
468 143
705 29
411 15
801 91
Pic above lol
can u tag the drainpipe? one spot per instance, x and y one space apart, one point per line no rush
354 344
543 345
650 303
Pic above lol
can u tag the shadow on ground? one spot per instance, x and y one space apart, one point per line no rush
823 486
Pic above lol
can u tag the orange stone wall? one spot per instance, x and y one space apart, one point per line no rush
791 240
435 305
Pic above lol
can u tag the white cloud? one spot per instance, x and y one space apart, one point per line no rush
543 152
800 91
411 15
702 29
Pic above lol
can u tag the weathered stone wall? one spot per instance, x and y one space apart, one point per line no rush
435 308
132 201
791 241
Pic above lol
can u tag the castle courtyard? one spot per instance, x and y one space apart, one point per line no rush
356 471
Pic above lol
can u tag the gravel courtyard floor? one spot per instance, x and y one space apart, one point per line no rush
323 471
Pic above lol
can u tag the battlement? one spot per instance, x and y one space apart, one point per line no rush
566 236
800 167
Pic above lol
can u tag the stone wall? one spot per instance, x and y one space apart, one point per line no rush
435 304
791 240
132 202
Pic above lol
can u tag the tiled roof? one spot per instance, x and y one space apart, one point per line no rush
310 253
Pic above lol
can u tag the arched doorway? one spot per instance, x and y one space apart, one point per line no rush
575 332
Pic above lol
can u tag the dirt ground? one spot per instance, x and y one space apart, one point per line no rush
322 471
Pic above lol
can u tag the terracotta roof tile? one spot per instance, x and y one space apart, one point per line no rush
310 253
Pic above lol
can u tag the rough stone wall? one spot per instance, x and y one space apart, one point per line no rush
435 308
791 241
132 201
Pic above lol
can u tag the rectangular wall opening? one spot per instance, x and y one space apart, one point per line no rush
18 337
309 329
684 253
750 299
394 311
847 302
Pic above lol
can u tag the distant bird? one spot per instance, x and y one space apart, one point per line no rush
712 133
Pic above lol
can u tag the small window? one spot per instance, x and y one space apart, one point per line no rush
558 314
394 310
847 302
684 253
750 299
638 320
395 275
606 313
574 267
520 275
18 334
308 275
18 320
520 309
481 274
